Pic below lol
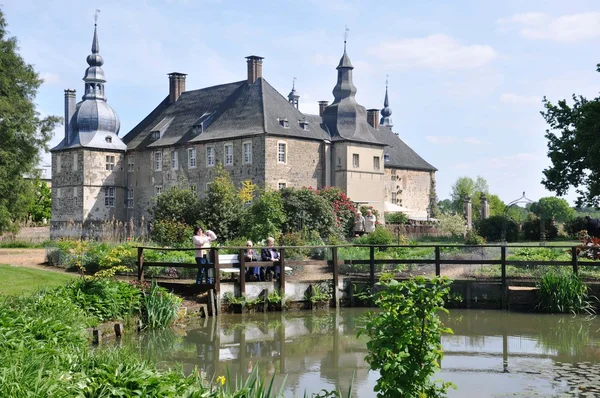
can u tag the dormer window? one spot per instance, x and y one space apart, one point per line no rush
155 135
303 124
108 140
284 123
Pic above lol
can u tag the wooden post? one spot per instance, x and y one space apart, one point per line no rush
574 260
372 269
211 299
140 264
96 336
282 271
438 263
242 273
215 255
336 277
504 283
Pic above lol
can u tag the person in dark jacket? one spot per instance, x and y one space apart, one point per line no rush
270 254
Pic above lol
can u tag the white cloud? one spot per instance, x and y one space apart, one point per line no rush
441 139
49 78
565 28
472 141
516 99
435 52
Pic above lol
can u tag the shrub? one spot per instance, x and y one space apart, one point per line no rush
575 225
491 229
294 239
405 337
159 308
171 233
381 236
265 216
454 225
177 203
473 238
305 209
396 218
561 291
532 230
343 208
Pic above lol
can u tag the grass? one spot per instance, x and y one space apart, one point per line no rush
16 281
559 291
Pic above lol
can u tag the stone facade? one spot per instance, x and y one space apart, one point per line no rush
409 188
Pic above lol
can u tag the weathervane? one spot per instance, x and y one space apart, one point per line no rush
96 16
387 78
346 30
293 83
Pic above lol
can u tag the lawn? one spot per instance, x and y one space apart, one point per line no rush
15 281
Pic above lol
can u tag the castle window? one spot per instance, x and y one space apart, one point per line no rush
247 152
110 162
394 197
339 162
284 123
192 158
109 196
355 160
228 154
210 156
282 185
108 139
155 135
282 152
376 162
130 163
130 198
174 160
303 124
58 164
75 161
158 190
194 188
157 161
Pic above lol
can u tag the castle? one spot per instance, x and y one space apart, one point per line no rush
248 127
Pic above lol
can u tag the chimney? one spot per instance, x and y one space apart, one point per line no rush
254 68
176 85
373 118
322 106
69 111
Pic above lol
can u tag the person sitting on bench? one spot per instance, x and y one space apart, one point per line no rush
252 273
271 254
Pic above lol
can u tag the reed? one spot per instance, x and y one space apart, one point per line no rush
560 291
159 308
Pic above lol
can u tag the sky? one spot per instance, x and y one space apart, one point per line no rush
466 77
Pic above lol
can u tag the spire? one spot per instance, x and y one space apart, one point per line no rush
293 95
386 112
94 75
345 60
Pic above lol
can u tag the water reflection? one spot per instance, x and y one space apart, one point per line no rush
492 353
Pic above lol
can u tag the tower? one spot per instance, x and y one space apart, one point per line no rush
293 96
386 112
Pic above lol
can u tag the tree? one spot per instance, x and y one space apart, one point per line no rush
343 208
41 208
305 209
467 188
446 207
574 148
264 217
23 133
177 203
552 207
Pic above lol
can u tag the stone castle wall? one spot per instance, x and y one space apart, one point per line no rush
412 187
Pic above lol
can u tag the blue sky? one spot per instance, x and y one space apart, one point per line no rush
466 77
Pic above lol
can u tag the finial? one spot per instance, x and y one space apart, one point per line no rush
96 16
293 83
387 79
346 30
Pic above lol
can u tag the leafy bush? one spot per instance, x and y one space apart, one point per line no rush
454 225
532 230
159 309
120 255
305 209
405 337
178 203
538 254
561 291
396 218
491 229
343 208
265 216
171 233
473 238
381 236
294 239
575 225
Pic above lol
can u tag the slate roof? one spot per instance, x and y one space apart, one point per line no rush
401 155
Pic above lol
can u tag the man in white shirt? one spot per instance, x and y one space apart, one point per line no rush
370 220
201 241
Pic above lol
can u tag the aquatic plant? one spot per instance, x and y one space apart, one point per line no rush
405 337
159 307
560 291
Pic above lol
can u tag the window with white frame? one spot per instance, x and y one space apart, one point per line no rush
376 162
210 156
157 161
158 190
174 160
109 196
282 185
130 198
194 188
192 158
282 152
110 162
228 154
75 161
394 197
58 164
247 146
355 160
130 163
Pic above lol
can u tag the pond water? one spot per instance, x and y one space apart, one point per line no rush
491 354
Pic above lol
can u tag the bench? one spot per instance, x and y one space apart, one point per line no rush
232 259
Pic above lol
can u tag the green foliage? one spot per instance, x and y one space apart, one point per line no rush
41 207
538 254
532 230
363 210
405 337
316 294
473 238
172 233
553 207
454 225
178 204
23 133
343 208
560 291
275 297
381 236
575 225
120 255
396 218
265 216
230 298
221 210
305 209
446 207
491 229
294 239
159 309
